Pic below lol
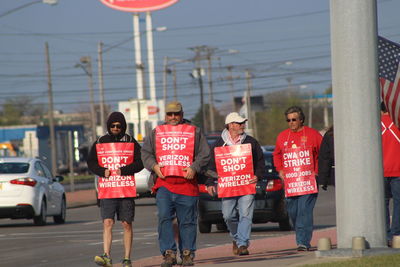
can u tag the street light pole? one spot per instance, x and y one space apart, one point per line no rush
248 102
53 147
86 65
49 2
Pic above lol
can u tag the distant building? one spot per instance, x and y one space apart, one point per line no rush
34 141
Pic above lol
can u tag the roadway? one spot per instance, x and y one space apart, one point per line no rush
77 241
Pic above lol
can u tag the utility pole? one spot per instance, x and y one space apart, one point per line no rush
101 85
175 84
198 73
230 79
209 51
53 146
71 161
310 110
326 114
165 81
250 122
203 111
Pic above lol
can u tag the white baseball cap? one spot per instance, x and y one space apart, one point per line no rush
234 117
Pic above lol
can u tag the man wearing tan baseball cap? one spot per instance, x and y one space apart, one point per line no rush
175 152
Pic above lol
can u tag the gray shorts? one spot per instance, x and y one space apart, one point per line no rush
123 207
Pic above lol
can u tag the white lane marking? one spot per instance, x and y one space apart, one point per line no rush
57 233
94 222
150 234
99 243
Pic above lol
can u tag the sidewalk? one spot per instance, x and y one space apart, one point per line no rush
272 251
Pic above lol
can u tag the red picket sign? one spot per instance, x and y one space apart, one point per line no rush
235 169
114 156
298 167
175 148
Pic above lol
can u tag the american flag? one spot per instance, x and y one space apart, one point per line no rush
389 74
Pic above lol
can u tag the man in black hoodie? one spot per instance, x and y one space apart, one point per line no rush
123 207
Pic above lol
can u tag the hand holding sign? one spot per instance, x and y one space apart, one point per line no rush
157 170
190 173
253 180
281 174
106 173
211 190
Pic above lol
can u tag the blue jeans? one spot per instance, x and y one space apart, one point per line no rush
238 216
184 208
300 210
392 190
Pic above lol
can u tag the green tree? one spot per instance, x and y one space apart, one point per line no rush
14 109
271 121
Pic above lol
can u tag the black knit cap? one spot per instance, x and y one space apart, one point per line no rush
116 117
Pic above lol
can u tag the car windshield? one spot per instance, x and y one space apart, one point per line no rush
14 167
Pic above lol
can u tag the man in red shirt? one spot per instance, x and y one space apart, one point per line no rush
296 160
175 152
391 171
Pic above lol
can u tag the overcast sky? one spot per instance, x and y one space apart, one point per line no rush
266 33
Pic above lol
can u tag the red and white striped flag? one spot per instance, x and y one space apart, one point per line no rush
389 74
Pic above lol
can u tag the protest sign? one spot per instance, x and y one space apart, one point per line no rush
113 156
298 167
235 169
175 148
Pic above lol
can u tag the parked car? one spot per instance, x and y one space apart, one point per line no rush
28 190
144 183
269 202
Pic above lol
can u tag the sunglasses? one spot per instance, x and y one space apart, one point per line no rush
289 120
173 113
240 123
118 126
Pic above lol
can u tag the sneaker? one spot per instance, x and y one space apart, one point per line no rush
235 248
302 248
187 258
169 258
126 263
103 260
243 251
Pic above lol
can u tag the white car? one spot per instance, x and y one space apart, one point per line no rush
28 190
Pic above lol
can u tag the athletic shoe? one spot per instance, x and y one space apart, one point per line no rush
169 258
103 260
187 258
243 251
302 248
235 249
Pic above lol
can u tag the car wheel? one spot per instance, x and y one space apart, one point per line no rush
284 224
40 220
284 221
204 227
59 219
222 227
97 199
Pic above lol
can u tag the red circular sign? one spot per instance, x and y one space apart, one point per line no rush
152 110
138 5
